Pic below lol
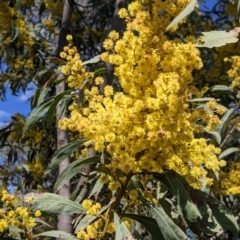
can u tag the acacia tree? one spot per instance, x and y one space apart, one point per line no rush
157 133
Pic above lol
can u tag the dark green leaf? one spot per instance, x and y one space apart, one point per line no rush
57 61
100 71
189 209
37 113
222 214
149 223
64 104
169 229
72 169
51 112
39 96
63 153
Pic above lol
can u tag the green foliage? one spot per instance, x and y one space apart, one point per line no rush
54 204
57 234
62 153
166 206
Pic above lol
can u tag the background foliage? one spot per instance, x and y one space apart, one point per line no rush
114 199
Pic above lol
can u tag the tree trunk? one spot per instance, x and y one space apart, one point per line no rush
64 221
118 25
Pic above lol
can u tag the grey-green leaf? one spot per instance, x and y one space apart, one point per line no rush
206 99
183 14
224 120
215 134
55 204
122 231
169 229
228 151
57 234
219 38
93 60
220 88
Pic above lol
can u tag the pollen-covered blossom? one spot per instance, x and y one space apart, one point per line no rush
74 68
13 214
149 125
230 183
233 73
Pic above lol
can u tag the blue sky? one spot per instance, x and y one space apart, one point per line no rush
20 103
14 104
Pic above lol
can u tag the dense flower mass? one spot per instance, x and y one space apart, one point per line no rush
16 214
150 125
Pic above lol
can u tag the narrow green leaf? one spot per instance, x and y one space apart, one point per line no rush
39 96
57 81
163 179
64 105
149 223
183 14
57 60
63 153
54 204
224 120
73 169
189 209
169 229
219 38
57 234
93 60
15 34
222 214
51 112
206 99
228 151
100 71
221 88
37 113
97 187
216 135
122 231
238 10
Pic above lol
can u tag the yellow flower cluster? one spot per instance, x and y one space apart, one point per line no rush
74 67
94 230
234 72
91 209
36 167
230 180
149 125
14 214
49 24
54 6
